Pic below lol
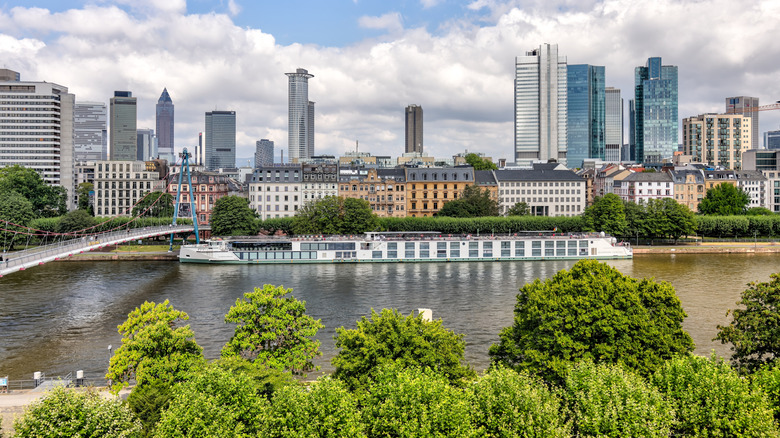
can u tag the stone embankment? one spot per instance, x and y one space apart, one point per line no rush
711 248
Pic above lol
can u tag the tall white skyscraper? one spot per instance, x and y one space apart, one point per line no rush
300 142
37 129
91 136
613 132
540 106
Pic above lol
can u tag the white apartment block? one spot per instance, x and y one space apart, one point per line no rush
119 185
275 191
639 187
772 190
756 185
547 192
319 181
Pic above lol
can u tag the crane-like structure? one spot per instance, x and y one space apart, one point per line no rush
771 106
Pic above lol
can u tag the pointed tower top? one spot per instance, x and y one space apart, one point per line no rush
165 97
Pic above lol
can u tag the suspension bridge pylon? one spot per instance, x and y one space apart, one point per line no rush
188 207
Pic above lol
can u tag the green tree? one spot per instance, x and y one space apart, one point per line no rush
754 331
155 204
215 403
389 337
767 379
607 214
267 381
635 219
711 400
335 215
233 217
472 202
152 350
76 220
47 201
84 199
147 402
607 401
273 330
415 402
16 209
724 200
596 313
479 163
324 409
509 404
666 218
519 209
759 211
66 413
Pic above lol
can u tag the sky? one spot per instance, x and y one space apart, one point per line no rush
372 58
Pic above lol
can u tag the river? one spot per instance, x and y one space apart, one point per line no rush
61 317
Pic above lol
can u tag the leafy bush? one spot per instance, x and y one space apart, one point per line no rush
768 380
274 225
510 404
66 413
147 402
608 401
711 400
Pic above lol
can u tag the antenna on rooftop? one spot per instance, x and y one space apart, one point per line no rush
356 146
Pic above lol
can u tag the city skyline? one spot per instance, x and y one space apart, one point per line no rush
456 60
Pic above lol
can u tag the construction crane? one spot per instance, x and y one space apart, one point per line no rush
772 106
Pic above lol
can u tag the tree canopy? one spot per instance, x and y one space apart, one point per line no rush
233 217
155 204
335 215
519 209
273 330
16 209
479 163
84 203
75 220
152 350
754 332
593 312
472 202
724 200
46 200
607 214
666 218
389 337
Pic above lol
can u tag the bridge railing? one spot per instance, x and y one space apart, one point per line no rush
21 258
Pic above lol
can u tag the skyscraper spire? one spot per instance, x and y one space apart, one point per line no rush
165 139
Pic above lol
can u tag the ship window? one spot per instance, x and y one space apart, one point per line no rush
376 254
392 254
455 253
473 253
392 245
519 252
536 252
505 252
424 254
572 251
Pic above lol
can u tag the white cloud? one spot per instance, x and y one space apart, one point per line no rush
430 3
390 21
234 8
462 76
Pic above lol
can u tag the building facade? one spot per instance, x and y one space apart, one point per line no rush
146 148
688 187
746 106
613 125
640 187
655 111
586 116
300 126
540 106
414 129
165 133
772 140
429 188
319 181
207 188
546 192
717 139
123 139
220 140
384 189
275 191
37 130
90 131
755 185
264 153
119 185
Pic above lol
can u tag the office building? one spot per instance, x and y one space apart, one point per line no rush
199 150
745 106
123 139
540 106
37 129
264 153
429 188
547 192
275 191
613 125
7 75
146 145
301 116
772 140
165 139
119 185
382 188
414 129
717 139
586 113
655 111
220 141
90 130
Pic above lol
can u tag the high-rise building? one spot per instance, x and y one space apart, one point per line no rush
414 129
264 153
656 124
613 126
300 141
200 153
772 140
220 145
37 129
147 146
717 139
585 113
124 136
540 106
743 105
91 135
632 129
165 127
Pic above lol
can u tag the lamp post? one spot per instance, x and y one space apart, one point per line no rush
109 365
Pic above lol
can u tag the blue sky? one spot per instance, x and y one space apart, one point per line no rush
372 58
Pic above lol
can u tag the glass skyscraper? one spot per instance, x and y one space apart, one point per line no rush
264 153
655 111
586 113
220 147
90 131
124 135
300 130
165 127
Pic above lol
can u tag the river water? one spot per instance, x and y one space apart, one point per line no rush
61 317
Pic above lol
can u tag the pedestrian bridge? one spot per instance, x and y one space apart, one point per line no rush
21 260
